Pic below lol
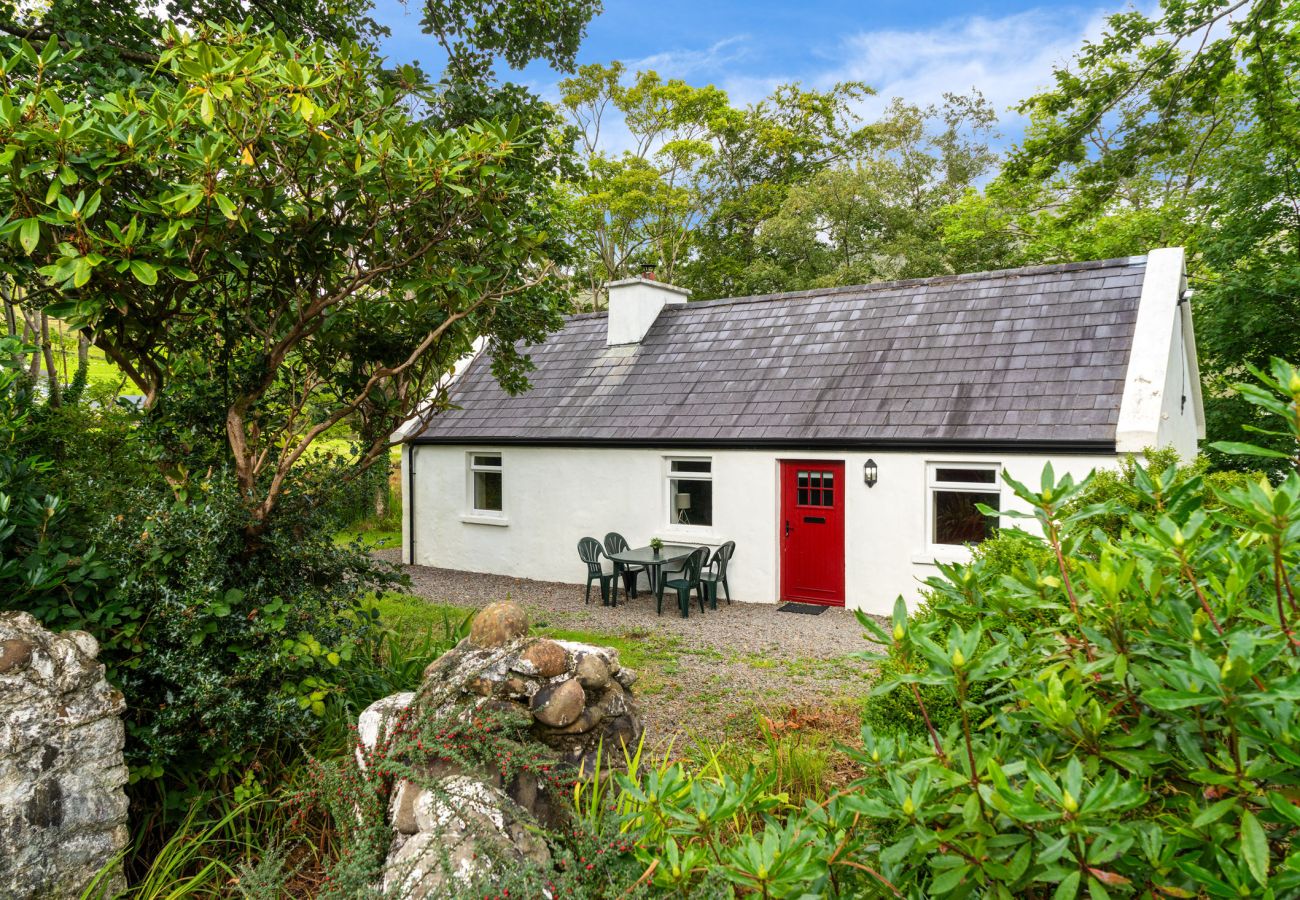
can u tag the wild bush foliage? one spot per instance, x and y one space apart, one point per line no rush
223 651
1141 741
42 564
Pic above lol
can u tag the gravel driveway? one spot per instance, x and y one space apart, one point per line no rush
711 672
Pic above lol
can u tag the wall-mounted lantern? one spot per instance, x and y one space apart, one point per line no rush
869 473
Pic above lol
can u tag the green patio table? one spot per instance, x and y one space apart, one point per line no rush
645 556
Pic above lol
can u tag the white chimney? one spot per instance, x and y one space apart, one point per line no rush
635 303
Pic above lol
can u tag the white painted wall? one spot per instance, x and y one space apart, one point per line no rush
555 496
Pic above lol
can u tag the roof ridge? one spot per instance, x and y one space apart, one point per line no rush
810 293
1048 269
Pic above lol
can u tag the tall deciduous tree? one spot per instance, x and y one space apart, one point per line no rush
267 242
879 217
698 176
642 204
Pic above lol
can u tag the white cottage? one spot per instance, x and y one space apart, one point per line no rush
840 437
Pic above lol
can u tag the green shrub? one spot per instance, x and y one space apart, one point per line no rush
1137 486
45 566
1009 552
895 712
225 651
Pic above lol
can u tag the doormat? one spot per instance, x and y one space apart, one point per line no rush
807 609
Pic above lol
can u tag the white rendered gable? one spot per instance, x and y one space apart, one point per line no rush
1161 404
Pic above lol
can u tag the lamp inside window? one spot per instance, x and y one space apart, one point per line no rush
690 492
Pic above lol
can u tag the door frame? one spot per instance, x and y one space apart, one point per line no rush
782 464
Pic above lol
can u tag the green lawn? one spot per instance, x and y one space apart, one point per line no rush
373 538
408 613
99 370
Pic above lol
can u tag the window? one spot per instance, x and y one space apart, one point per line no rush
690 492
816 488
955 492
485 483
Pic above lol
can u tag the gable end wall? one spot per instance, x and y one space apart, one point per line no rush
1161 404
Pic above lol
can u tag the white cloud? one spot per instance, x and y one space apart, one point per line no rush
682 62
1007 59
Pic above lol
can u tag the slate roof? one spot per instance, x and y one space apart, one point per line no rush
1032 356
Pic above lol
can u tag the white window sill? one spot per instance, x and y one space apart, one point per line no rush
941 554
699 534
483 519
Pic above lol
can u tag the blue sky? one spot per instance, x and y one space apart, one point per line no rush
916 50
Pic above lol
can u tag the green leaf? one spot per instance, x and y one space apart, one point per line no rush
227 206
1176 699
1254 847
1068 888
80 272
29 235
1214 813
144 272
1241 448
948 880
1284 807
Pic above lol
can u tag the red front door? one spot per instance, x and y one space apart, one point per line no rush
812 532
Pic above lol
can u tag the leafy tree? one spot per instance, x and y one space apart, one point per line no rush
878 218
765 150
267 243
120 42
645 203
473 33
1197 106
700 175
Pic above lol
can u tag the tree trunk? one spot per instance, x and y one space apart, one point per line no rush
47 350
83 350
32 337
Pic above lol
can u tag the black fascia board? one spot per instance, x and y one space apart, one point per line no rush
929 445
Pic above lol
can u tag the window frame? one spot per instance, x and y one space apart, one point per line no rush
472 468
933 485
670 512
809 492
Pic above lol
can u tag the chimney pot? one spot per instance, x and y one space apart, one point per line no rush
648 271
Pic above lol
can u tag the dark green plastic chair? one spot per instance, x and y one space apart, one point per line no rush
716 573
616 543
689 580
590 552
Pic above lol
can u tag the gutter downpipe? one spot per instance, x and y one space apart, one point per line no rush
410 501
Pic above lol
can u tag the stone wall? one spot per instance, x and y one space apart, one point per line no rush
62 804
458 826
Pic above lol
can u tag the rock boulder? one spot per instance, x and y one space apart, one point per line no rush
62 804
